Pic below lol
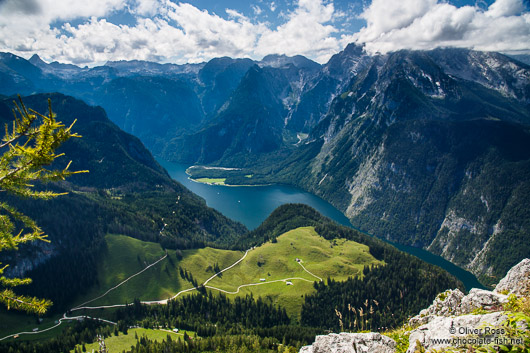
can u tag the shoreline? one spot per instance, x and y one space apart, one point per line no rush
229 185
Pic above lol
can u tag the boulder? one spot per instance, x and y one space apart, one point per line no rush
453 302
351 343
481 299
517 280
450 331
445 304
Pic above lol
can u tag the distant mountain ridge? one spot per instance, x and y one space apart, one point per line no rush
181 98
426 148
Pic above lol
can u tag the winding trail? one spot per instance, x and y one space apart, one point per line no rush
305 269
165 301
64 318
122 282
234 264
259 284
80 307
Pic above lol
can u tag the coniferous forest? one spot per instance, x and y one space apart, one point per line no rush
382 298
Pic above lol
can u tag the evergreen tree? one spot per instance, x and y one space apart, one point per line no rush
27 148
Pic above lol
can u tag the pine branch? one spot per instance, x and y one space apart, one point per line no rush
24 303
28 150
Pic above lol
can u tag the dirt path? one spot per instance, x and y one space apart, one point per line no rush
305 269
165 301
79 307
259 284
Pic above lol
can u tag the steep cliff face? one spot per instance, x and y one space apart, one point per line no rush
252 121
413 153
318 92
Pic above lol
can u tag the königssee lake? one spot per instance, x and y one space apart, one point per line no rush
251 205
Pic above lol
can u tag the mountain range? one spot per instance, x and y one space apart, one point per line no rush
426 148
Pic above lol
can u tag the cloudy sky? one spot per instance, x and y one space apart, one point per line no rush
90 32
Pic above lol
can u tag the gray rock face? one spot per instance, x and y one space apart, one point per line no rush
451 331
453 302
445 304
481 299
517 280
351 343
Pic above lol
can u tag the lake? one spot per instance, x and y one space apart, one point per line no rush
251 205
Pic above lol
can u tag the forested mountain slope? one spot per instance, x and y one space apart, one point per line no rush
126 192
382 284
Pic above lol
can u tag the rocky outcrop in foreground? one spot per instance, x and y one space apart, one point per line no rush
372 342
517 280
453 319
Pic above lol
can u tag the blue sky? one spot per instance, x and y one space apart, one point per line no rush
91 32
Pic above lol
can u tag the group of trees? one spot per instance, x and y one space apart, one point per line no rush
206 314
384 297
242 343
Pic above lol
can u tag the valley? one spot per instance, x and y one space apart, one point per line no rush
132 270
393 141
252 205
426 150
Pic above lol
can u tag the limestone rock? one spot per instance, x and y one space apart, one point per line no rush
517 280
445 304
442 331
351 343
306 349
481 299
453 302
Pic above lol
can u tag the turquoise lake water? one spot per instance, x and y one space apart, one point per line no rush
251 205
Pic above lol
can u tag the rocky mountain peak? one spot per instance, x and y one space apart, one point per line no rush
36 60
279 61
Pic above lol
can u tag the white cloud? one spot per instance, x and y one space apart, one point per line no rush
426 24
25 26
383 16
212 35
234 14
179 32
272 6
146 7
166 31
502 8
306 32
